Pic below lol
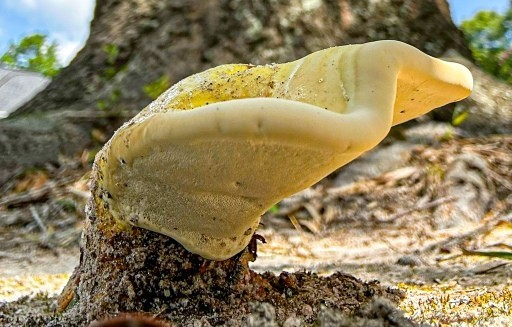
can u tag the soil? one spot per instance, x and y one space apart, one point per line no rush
408 225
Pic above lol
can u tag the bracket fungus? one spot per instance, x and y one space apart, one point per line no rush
204 161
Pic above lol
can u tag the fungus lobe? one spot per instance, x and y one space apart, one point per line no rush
205 160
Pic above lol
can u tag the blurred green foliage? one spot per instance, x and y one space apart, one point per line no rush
489 35
157 87
112 53
274 209
110 101
459 117
33 52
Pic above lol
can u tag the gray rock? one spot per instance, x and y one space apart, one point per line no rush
262 314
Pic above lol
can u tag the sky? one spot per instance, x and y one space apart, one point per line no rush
67 21
64 21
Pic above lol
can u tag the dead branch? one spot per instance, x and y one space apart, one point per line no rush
421 207
35 195
37 219
458 239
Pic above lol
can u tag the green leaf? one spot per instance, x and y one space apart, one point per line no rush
489 36
459 117
33 52
157 87
493 254
112 52
274 208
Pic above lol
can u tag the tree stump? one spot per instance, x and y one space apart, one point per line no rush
135 270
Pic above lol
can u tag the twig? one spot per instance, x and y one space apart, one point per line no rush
37 219
502 245
491 254
30 196
10 182
311 225
420 207
362 186
295 223
16 256
78 192
34 195
460 238
290 210
93 115
488 268
313 212
499 179
367 183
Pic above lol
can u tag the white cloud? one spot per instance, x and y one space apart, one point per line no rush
69 13
28 3
22 4
65 21
67 49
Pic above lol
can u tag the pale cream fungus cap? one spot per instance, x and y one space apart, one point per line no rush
204 161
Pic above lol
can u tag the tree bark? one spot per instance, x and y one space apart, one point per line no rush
135 43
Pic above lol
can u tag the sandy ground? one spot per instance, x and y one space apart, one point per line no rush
440 288
382 228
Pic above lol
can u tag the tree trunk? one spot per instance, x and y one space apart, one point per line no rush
133 43
137 48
